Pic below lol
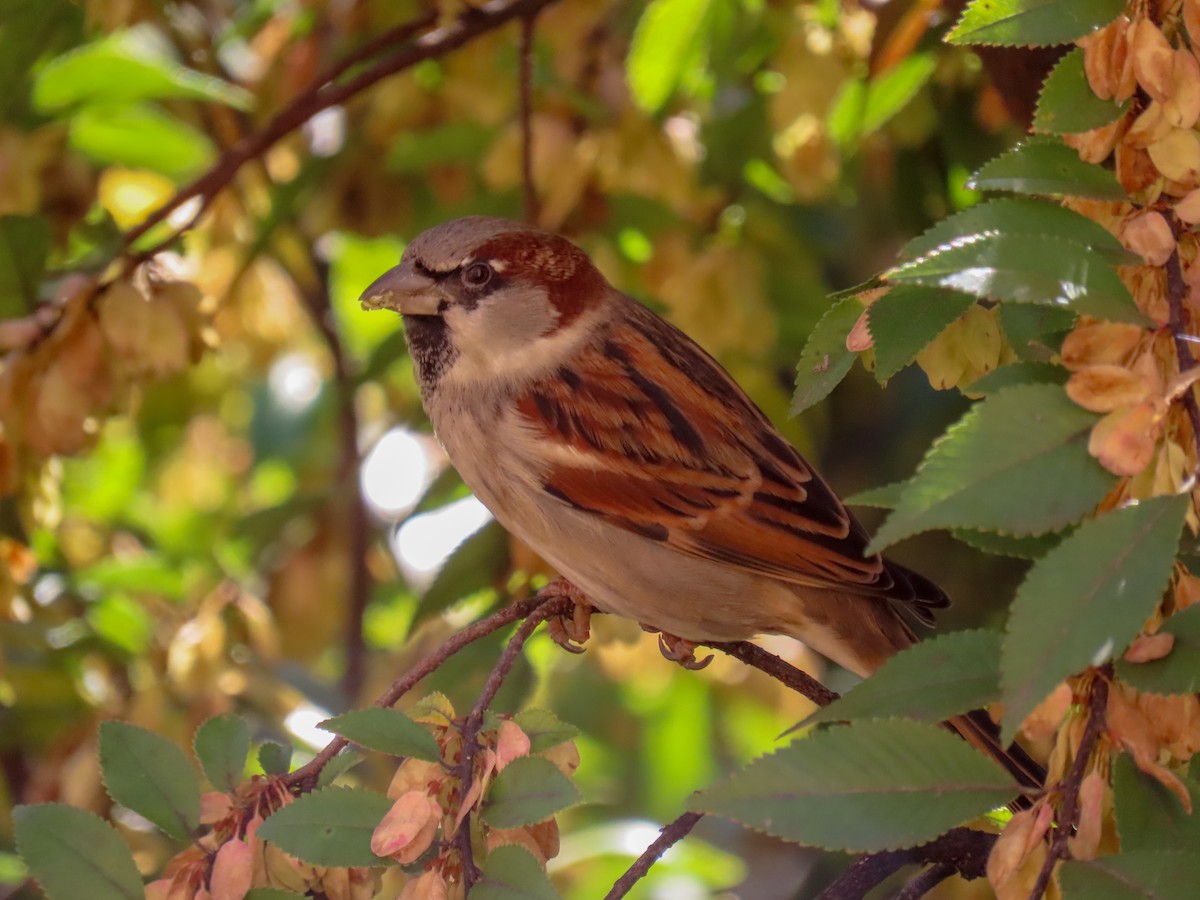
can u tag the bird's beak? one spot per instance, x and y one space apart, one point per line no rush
403 289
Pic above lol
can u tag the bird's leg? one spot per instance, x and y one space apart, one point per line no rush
569 631
679 650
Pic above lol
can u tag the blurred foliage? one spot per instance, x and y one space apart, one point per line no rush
183 531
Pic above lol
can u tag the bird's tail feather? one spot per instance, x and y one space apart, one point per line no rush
978 730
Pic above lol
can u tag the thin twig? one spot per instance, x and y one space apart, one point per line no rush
525 94
797 679
1176 290
669 836
304 778
925 882
470 730
963 850
865 873
1069 787
475 21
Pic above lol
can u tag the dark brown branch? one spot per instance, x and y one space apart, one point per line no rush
925 882
305 778
798 680
960 850
525 94
669 836
470 731
1176 290
475 21
1068 788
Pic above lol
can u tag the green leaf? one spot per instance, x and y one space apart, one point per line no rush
1179 671
529 790
1135 875
151 776
28 30
1020 215
123 69
150 573
1017 463
662 47
72 853
1044 165
904 320
275 758
1019 373
24 246
265 893
544 729
1067 104
886 496
873 785
511 873
825 359
1150 817
143 137
1035 332
329 827
1084 601
1006 544
1026 269
1031 23
386 730
474 566
122 621
891 91
222 744
928 682
339 765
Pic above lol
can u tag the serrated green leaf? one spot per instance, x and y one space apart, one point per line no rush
1150 817
511 873
1179 671
930 681
1016 463
869 786
475 565
124 69
904 320
275 758
886 496
1020 215
150 775
386 730
24 246
222 744
1045 165
1035 332
1006 544
544 729
1136 875
1026 269
339 765
1085 600
143 137
663 45
72 853
329 827
1031 23
825 360
1067 104
1019 373
528 790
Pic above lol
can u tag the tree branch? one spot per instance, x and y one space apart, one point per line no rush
1176 290
305 778
960 850
669 836
1069 787
797 679
470 731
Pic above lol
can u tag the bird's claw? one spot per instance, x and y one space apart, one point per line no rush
681 651
569 631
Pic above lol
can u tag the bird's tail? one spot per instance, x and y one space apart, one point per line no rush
978 730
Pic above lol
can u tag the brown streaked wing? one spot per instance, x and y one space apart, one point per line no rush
646 430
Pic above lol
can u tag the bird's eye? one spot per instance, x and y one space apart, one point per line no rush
477 275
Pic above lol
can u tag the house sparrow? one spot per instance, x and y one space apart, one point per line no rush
628 458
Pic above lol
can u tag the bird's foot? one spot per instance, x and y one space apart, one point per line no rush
681 651
569 631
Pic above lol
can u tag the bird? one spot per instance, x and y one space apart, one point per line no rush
629 459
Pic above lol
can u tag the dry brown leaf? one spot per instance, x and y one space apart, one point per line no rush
1124 440
1153 59
1106 387
1149 647
1177 156
1085 842
1096 343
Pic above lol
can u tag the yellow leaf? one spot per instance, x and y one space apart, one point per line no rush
130 195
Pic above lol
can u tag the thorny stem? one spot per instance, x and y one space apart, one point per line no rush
669 836
1175 294
525 96
305 778
1069 787
470 731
